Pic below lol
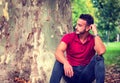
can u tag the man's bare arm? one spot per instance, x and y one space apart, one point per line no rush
59 54
99 45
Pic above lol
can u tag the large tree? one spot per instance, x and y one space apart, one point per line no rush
29 33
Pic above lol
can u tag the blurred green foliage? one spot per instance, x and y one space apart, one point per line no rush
108 18
81 7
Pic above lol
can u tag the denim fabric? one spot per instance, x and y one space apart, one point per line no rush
57 72
82 74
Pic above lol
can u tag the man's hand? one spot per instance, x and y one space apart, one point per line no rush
68 69
94 29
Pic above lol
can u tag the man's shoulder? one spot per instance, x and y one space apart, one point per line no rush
68 37
91 35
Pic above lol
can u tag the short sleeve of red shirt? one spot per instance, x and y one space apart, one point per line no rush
67 38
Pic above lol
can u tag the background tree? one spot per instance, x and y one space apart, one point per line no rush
29 33
80 7
109 16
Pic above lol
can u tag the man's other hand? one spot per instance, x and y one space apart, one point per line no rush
68 70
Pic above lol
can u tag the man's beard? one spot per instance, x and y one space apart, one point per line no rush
80 33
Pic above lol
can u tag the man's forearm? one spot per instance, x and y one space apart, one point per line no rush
99 46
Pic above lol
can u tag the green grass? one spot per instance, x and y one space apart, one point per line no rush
112 55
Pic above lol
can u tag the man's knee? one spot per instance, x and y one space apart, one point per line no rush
99 61
99 58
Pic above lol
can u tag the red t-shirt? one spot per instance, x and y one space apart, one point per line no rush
78 53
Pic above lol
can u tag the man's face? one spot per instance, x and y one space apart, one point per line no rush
81 26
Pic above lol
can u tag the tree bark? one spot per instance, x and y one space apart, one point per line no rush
29 33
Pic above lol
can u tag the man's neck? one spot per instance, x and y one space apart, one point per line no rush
83 37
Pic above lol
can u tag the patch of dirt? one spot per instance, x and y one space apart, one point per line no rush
112 74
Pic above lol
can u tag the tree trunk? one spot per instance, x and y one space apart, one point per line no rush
118 38
29 33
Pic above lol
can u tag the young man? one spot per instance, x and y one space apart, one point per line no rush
83 62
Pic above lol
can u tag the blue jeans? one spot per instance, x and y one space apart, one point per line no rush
82 74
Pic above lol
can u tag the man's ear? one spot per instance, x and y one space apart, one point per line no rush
88 28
